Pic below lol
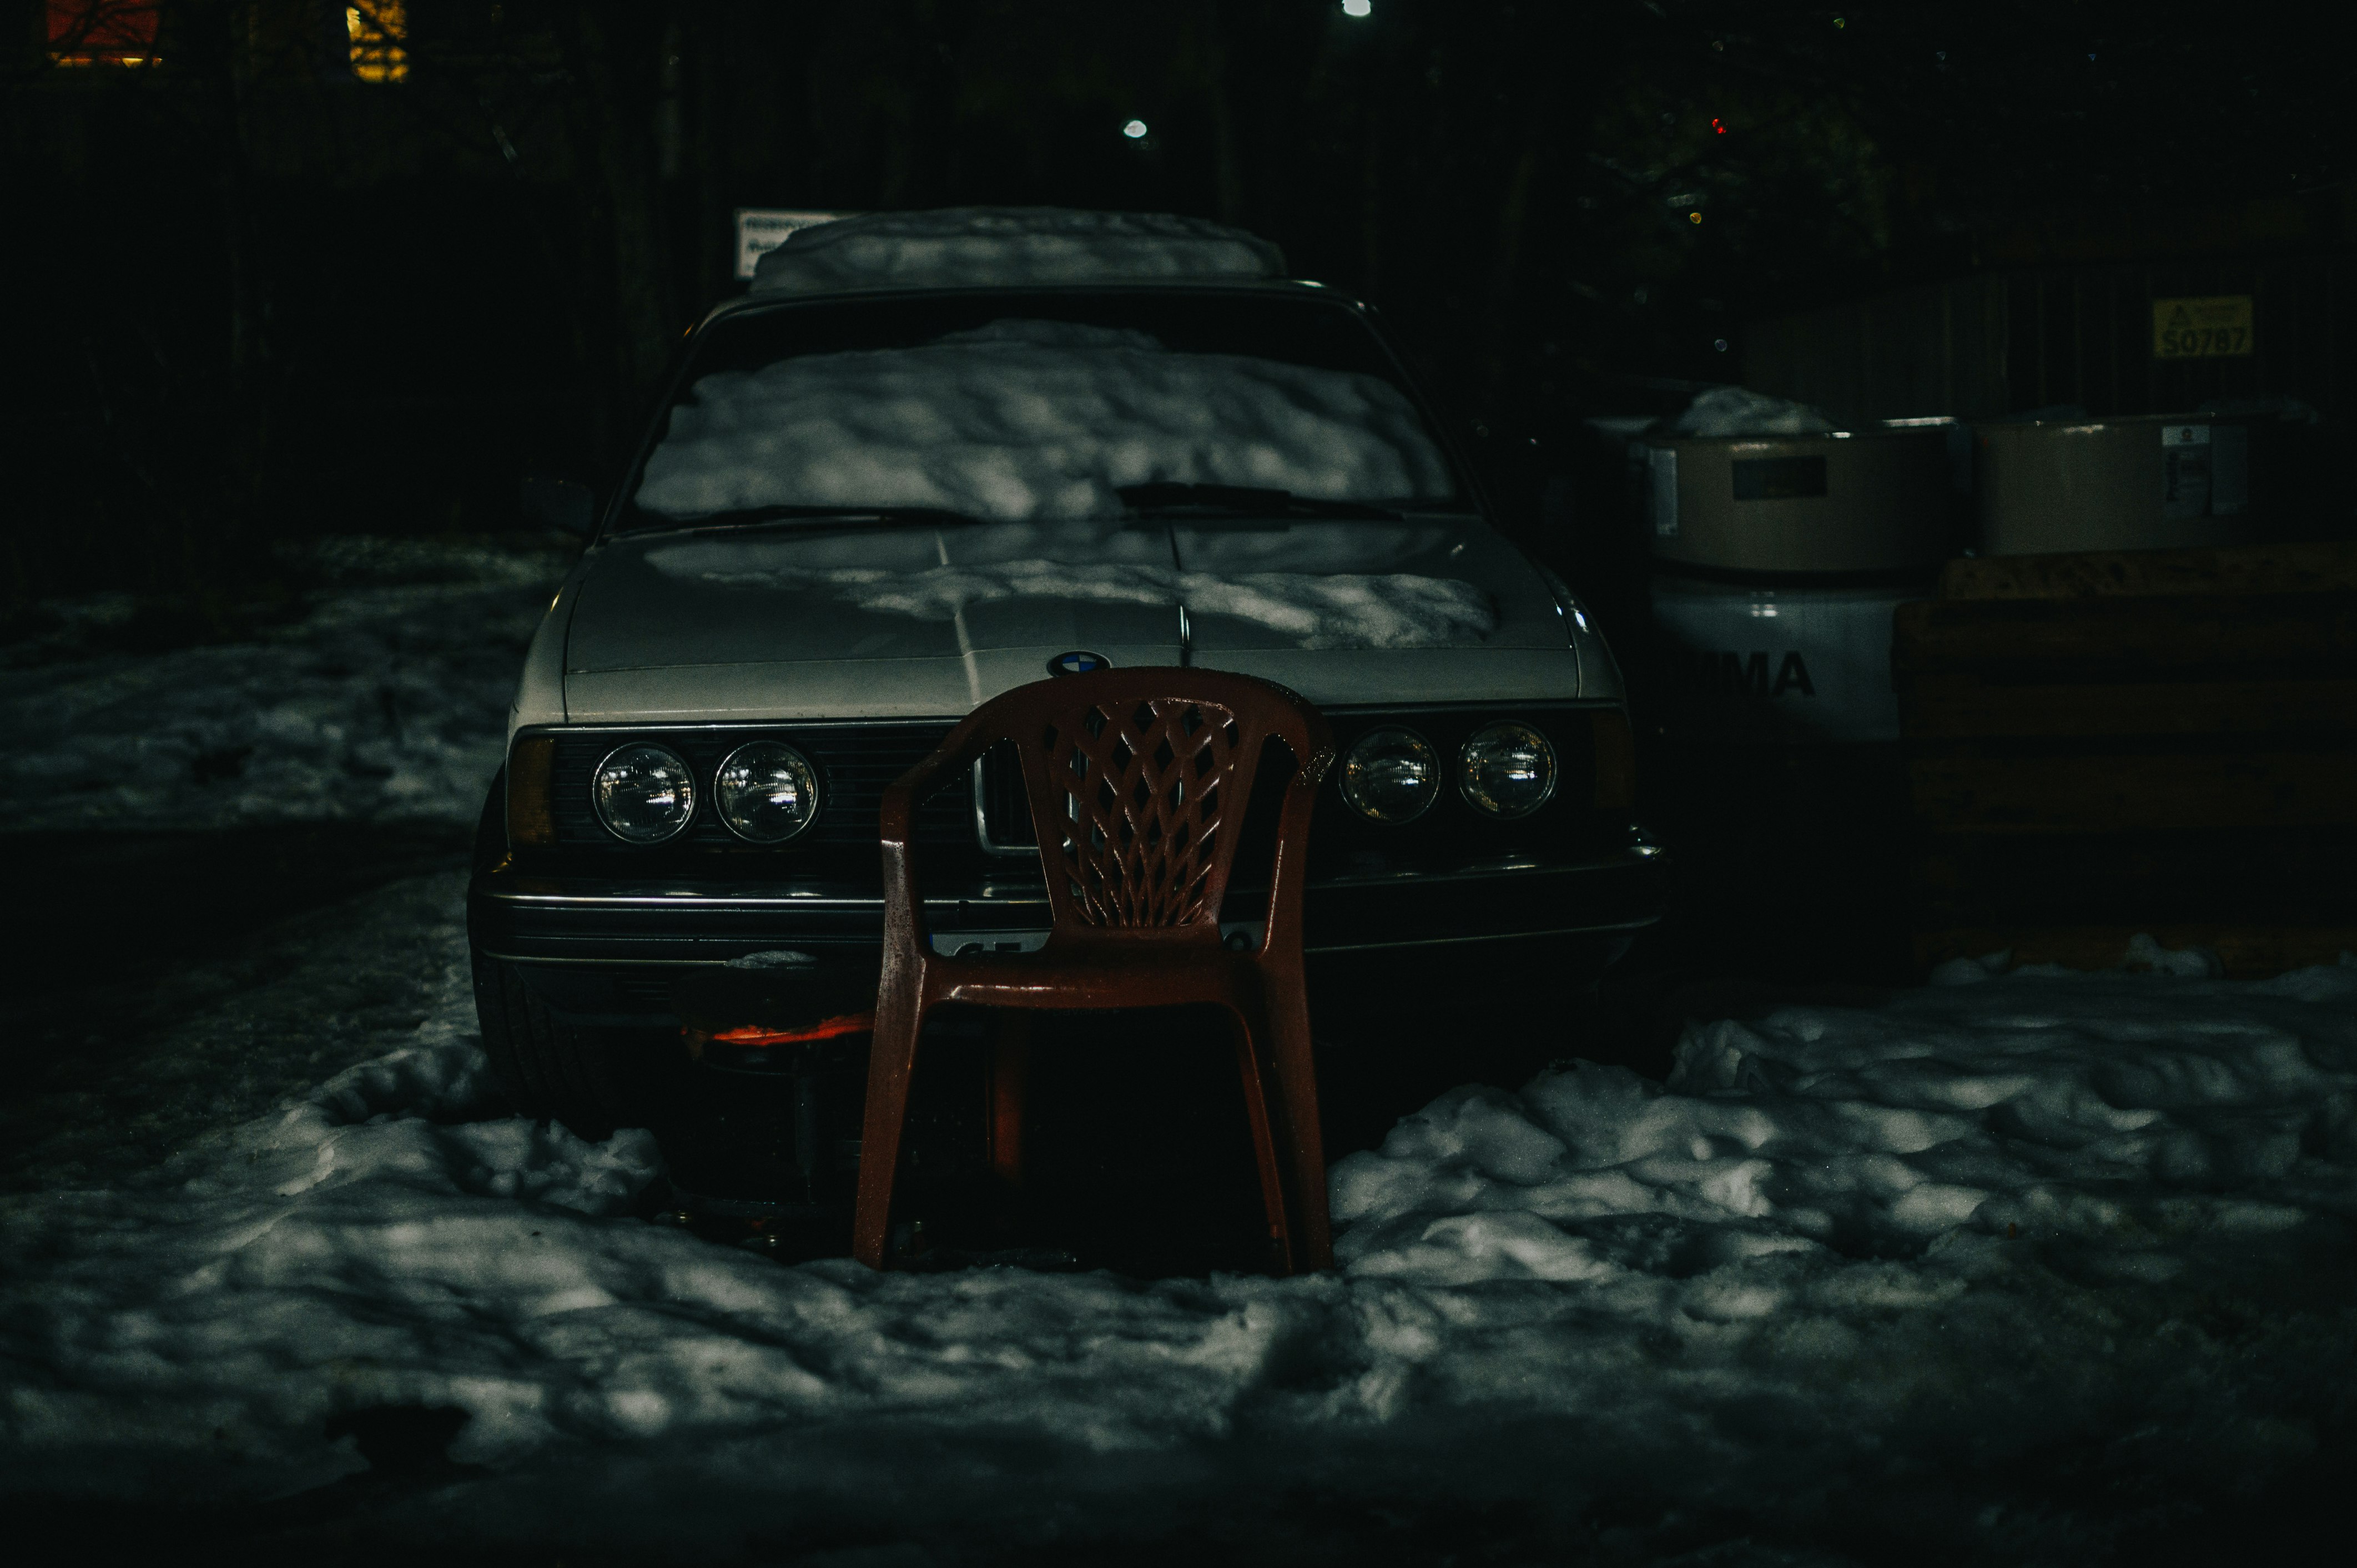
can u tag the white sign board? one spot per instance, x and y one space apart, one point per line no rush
760 229
1749 664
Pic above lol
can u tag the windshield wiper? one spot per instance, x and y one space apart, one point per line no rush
1172 496
927 515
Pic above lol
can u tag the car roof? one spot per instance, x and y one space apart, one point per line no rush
1304 286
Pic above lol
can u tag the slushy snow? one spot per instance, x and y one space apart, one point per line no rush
1024 420
974 247
1956 1245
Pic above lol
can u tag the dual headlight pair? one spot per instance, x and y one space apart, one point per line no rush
1393 775
765 790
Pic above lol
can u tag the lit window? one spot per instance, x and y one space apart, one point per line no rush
377 28
102 32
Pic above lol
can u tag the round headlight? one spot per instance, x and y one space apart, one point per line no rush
767 791
644 793
1507 770
1389 775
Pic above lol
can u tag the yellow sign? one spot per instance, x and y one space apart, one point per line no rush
2215 327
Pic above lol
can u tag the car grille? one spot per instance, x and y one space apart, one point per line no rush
1005 810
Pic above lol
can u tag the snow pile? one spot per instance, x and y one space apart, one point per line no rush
1736 411
362 1222
2112 1112
975 247
1032 420
386 703
1948 1249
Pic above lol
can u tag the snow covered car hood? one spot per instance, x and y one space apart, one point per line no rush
799 620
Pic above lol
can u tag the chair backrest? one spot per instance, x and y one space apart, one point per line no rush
1139 781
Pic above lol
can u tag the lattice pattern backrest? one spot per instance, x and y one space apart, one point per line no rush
1138 804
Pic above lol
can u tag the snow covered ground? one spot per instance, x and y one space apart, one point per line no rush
383 697
2045 1257
2019 1267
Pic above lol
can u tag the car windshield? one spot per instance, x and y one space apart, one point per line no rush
1052 405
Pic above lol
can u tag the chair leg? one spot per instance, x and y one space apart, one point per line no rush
1272 1179
892 1059
1296 1084
1010 1070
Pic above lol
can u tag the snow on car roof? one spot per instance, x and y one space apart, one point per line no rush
977 247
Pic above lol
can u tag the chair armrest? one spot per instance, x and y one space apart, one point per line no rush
960 749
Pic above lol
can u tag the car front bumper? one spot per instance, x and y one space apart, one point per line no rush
619 950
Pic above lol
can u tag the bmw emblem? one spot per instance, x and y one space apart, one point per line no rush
1080 661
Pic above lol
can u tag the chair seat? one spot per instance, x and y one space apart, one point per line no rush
1082 977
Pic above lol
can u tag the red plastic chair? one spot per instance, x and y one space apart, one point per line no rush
1137 780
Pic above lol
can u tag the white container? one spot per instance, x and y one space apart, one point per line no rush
2137 482
1874 500
1749 662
